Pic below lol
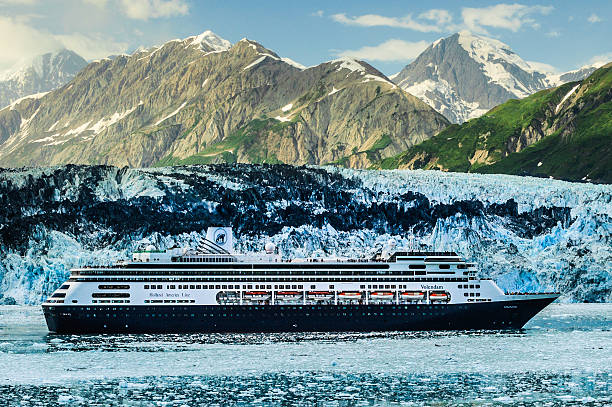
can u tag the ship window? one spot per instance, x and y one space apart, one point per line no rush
312 286
465 294
59 295
65 287
387 286
477 285
477 294
224 287
146 286
198 287
362 286
416 266
218 287
444 266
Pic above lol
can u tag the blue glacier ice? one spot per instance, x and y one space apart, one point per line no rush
527 233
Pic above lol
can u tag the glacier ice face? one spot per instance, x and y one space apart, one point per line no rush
526 233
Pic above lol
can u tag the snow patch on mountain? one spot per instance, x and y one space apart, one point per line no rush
106 122
567 95
171 114
293 63
348 63
252 64
442 97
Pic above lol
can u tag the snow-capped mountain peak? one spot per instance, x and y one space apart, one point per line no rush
41 73
210 40
465 75
500 63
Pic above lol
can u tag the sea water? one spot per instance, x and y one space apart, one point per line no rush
562 357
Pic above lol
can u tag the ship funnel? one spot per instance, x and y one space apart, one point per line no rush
221 237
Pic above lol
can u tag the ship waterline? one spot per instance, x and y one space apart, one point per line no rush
213 289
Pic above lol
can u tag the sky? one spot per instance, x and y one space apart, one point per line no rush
560 35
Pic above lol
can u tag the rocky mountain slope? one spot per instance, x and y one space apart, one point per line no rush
41 74
563 132
465 75
527 233
202 100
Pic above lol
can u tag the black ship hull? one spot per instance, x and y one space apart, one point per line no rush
68 319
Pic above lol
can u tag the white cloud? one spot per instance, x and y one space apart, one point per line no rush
507 16
147 9
430 21
318 13
91 46
20 41
391 50
18 2
600 60
553 34
594 18
542 67
97 3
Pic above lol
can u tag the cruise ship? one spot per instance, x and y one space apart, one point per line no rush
214 289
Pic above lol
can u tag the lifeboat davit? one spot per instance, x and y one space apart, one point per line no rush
439 296
381 295
257 295
412 295
349 295
320 295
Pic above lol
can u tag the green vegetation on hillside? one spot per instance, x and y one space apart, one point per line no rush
247 140
574 143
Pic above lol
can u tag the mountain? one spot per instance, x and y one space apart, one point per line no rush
563 132
203 100
465 75
40 74
528 234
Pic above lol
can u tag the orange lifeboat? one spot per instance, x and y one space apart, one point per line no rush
349 295
412 295
439 296
381 295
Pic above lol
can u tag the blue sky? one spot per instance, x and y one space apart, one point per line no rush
389 34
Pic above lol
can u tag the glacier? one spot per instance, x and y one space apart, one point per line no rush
526 233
